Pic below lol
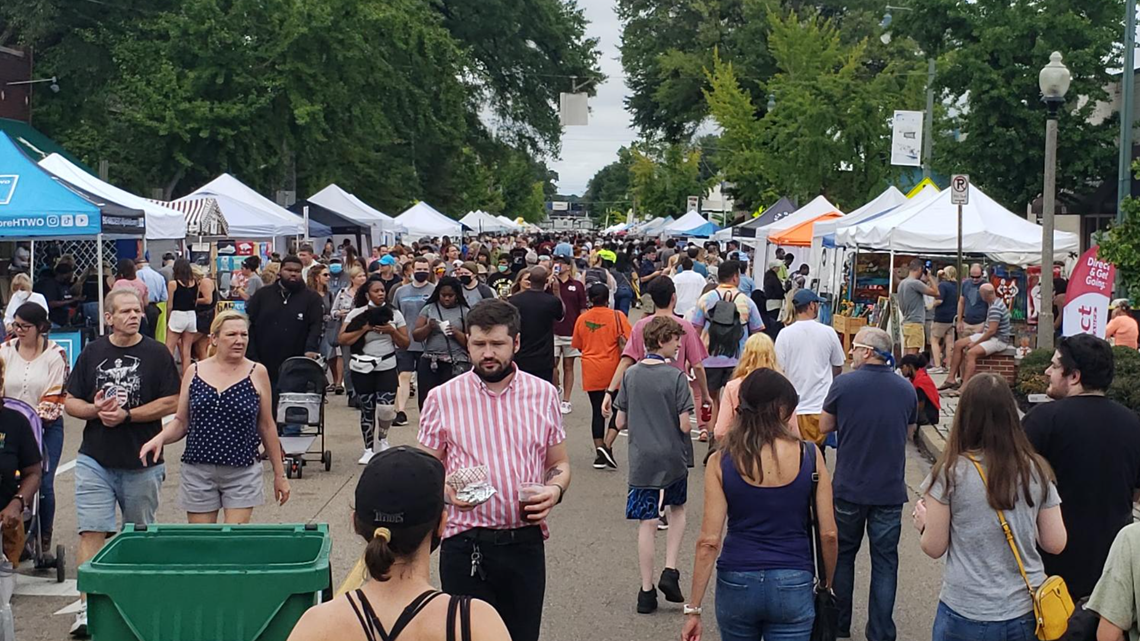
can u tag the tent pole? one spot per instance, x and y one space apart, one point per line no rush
891 277
99 282
32 262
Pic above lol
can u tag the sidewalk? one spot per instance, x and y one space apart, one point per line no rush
932 438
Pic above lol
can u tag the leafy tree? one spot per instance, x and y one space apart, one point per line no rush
609 189
829 131
1120 245
989 56
662 179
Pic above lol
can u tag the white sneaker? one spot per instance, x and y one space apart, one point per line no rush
367 456
566 407
384 445
79 628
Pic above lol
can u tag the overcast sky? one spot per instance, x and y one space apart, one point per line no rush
585 150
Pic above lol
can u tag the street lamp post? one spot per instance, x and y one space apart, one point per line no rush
1054 82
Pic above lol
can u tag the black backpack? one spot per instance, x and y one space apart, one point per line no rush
725 327
596 275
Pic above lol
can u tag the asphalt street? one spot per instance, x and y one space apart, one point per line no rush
591 556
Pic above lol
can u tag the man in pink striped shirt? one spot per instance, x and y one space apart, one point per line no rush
499 416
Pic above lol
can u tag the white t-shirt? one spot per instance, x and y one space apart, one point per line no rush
377 343
20 297
689 286
807 350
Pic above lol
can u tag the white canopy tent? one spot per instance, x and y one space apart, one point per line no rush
691 220
932 228
162 223
483 223
336 199
245 209
507 221
421 219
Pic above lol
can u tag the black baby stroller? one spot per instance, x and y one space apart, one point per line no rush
301 403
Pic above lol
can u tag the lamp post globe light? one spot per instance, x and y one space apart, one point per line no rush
1054 83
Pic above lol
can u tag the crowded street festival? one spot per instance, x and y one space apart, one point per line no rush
250 405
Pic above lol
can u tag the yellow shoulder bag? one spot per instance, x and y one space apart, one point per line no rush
1052 605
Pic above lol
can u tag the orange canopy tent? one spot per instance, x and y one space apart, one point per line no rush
801 234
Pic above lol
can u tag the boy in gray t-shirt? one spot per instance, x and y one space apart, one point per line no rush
654 403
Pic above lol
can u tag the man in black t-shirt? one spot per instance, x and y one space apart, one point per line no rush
122 386
502 280
1093 445
57 292
539 310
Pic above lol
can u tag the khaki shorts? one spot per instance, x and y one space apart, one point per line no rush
942 330
914 336
562 348
809 428
992 346
973 329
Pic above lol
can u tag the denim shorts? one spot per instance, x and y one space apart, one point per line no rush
646 504
209 488
98 490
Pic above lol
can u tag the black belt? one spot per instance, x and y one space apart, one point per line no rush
529 534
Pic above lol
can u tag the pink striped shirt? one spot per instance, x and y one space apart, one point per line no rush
508 432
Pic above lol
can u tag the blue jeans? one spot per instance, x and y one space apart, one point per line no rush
951 626
623 298
53 441
883 524
776 605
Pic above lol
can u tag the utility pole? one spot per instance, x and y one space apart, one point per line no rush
1127 91
928 122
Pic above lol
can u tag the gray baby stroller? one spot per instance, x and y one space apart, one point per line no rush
301 387
41 559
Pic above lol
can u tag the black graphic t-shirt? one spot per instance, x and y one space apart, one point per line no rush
136 375
17 451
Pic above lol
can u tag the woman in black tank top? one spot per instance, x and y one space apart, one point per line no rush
181 322
400 512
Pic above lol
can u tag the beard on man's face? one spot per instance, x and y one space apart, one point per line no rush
494 371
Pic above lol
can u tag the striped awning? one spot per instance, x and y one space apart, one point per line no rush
203 216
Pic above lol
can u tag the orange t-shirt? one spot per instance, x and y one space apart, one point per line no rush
596 335
1124 331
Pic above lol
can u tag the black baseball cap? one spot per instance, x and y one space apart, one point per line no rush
400 487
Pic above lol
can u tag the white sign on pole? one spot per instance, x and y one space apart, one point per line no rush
560 205
959 189
693 203
906 139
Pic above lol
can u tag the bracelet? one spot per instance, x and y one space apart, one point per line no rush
561 493
612 392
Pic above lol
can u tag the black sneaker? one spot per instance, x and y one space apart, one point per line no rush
608 454
401 419
600 460
670 585
647 601
663 523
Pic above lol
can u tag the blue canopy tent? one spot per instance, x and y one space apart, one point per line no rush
703 231
34 204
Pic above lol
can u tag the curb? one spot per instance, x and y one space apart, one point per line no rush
931 441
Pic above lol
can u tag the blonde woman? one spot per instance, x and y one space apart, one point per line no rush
225 414
942 331
759 353
21 293
269 274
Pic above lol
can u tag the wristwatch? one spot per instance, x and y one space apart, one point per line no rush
128 418
692 610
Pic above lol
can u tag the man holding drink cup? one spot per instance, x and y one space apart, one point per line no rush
501 418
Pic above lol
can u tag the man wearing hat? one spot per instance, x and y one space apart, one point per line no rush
388 274
1122 329
810 355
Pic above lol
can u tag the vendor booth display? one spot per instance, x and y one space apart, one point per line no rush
241 203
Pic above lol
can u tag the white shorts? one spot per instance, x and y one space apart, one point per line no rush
992 346
563 349
182 322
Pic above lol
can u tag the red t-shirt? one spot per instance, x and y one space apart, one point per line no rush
573 293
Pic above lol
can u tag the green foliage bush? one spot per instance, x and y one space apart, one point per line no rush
1031 377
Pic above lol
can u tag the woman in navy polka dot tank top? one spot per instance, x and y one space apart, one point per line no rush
225 414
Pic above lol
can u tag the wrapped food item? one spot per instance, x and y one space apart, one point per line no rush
471 484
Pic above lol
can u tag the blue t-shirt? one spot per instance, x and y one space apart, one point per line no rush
701 269
975 309
948 308
873 407
749 317
747 285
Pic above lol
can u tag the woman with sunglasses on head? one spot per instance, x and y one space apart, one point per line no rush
37 370
319 279
988 476
400 514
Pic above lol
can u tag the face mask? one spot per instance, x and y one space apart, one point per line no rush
335 269
466 280
503 268
421 277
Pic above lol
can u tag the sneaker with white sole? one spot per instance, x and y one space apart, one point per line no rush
384 445
599 460
367 456
608 455
566 407
79 628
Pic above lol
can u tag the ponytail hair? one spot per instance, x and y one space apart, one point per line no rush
387 545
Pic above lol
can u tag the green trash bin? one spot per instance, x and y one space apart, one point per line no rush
205 582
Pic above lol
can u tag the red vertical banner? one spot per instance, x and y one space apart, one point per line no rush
1086 301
